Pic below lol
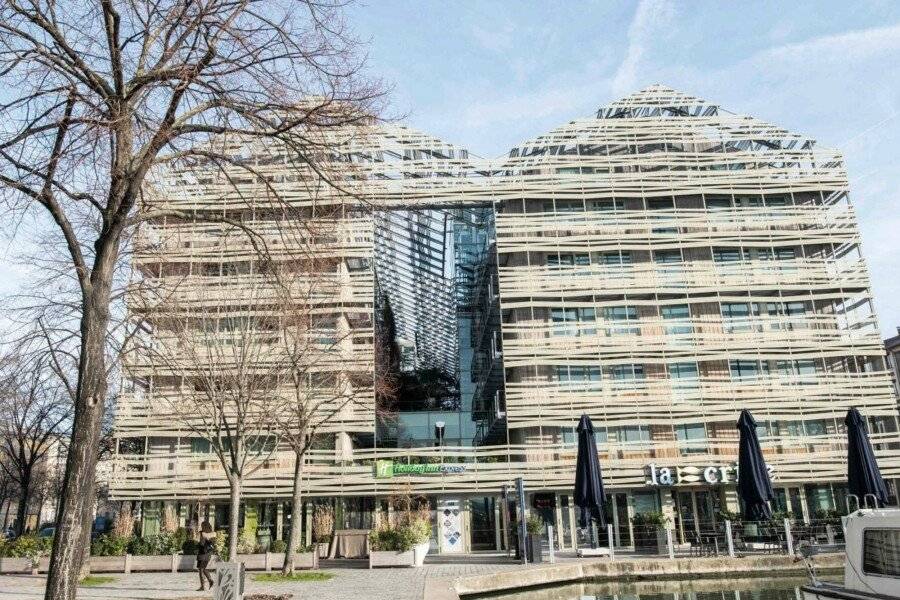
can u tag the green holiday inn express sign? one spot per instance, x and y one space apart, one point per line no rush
385 469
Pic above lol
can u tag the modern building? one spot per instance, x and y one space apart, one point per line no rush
659 266
892 348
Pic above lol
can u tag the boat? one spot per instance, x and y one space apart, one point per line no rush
872 563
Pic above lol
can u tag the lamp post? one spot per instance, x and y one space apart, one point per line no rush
439 432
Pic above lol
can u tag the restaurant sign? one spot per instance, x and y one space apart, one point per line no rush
678 475
385 469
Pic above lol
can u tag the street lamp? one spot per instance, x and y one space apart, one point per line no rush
439 432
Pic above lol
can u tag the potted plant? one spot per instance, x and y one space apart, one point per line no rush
534 525
322 528
649 531
400 545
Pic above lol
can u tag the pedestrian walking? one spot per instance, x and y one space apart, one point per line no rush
205 551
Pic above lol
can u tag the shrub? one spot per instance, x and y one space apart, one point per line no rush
278 546
649 518
110 544
222 544
534 525
323 523
156 545
27 546
246 541
400 538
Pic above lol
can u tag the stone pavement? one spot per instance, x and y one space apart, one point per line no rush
350 581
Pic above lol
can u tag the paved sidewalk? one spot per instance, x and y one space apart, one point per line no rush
350 581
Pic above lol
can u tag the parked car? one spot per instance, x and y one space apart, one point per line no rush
47 532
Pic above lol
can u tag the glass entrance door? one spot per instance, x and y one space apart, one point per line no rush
696 512
450 526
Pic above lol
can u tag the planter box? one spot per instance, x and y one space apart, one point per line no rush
391 558
533 548
187 562
322 549
419 553
253 562
15 565
107 564
151 563
302 560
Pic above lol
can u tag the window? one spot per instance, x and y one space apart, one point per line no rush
881 551
567 373
678 312
578 259
694 436
725 255
718 203
607 205
199 446
737 315
357 264
569 206
685 372
633 434
667 256
614 258
626 372
748 369
785 253
565 319
816 428
662 204
621 313
570 436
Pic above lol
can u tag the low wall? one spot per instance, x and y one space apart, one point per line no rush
165 563
637 569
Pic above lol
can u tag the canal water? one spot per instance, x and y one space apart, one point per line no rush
784 588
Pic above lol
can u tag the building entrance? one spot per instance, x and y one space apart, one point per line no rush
696 513
450 526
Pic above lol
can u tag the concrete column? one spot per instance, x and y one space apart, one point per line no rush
630 499
803 505
211 511
731 499
668 505
298 516
182 514
279 520
498 525
615 517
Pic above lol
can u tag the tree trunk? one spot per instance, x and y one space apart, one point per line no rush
73 519
296 510
22 508
235 517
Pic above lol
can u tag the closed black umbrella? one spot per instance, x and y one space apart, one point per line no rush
863 476
754 486
588 478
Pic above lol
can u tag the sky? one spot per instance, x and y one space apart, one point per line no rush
487 75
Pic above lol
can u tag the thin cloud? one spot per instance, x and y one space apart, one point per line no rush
651 17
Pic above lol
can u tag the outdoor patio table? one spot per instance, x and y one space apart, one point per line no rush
349 543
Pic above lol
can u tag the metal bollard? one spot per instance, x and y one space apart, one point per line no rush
550 540
730 538
788 537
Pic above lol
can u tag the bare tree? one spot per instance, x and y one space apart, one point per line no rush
98 95
316 345
228 384
33 413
